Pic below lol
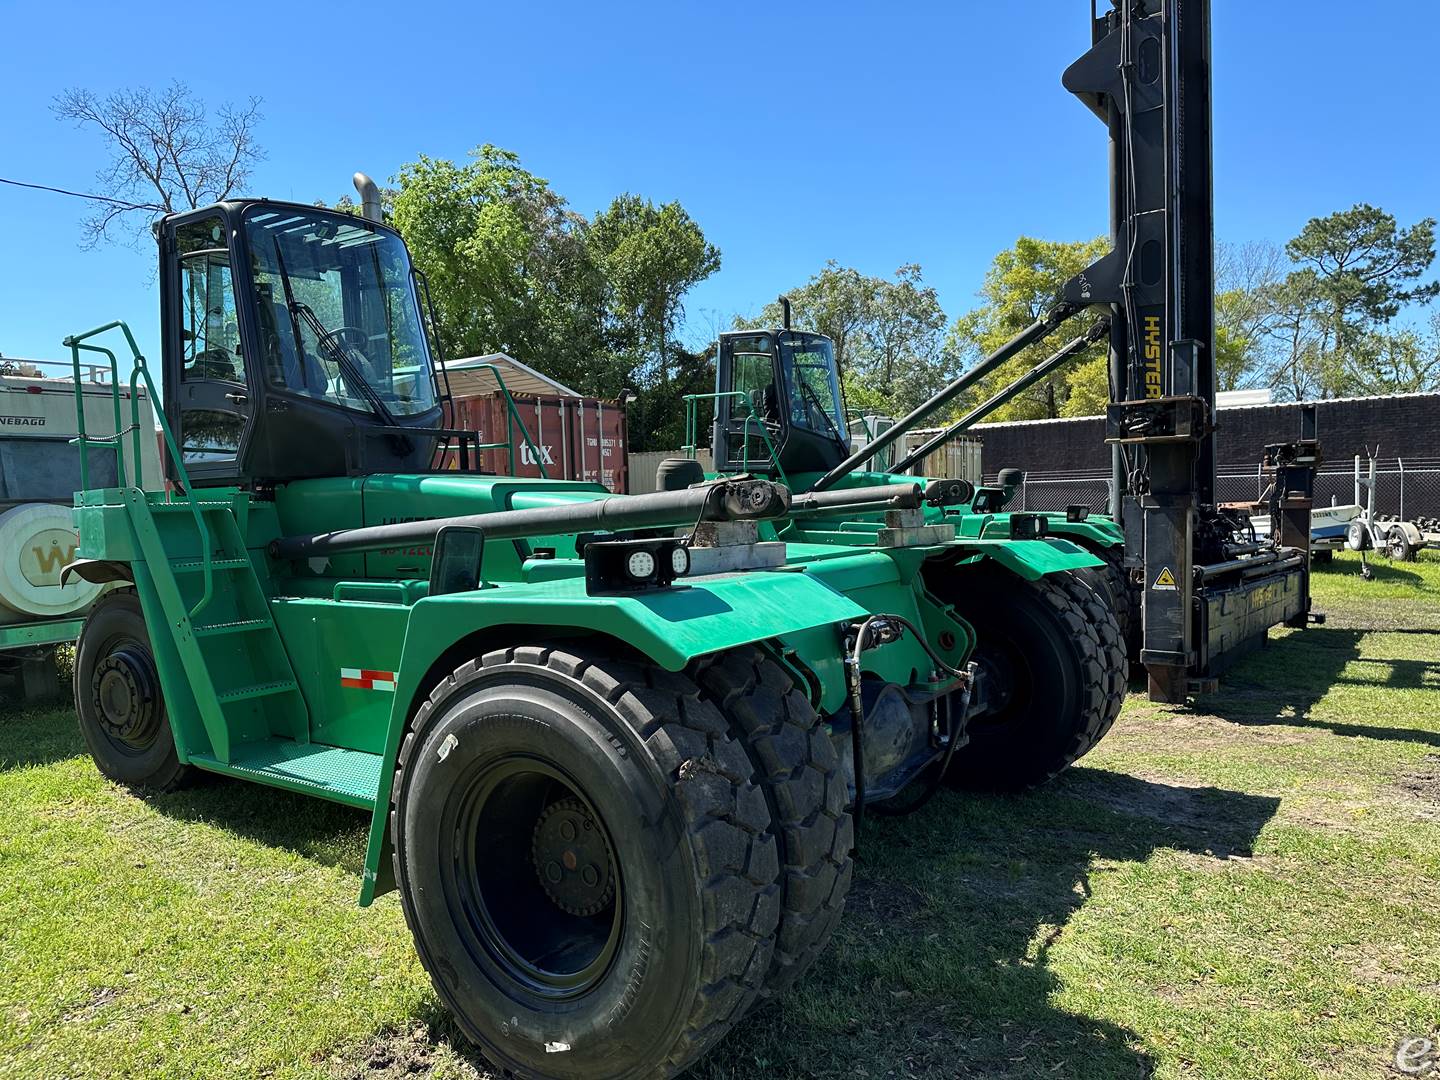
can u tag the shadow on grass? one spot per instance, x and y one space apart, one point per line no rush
940 967
326 832
1381 570
37 736
1281 683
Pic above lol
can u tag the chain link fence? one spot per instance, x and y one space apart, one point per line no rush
1407 488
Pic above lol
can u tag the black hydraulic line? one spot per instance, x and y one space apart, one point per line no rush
1034 375
1036 331
955 729
881 497
1258 566
726 500
891 627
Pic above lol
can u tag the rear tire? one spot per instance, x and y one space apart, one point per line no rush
118 700
1124 597
807 794
1053 648
636 969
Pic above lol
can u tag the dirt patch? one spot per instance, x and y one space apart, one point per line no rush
1423 782
393 1055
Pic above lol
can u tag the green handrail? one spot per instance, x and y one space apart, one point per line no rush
117 440
140 370
691 447
512 417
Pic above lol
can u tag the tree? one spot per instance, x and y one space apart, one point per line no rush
888 334
1245 277
1360 268
508 264
165 153
591 302
1295 353
650 257
838 302
1023 283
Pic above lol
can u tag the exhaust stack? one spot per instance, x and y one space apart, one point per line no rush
369 198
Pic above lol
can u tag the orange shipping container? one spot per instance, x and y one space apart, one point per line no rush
574 438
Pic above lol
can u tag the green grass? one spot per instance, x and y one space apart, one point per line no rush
1246 889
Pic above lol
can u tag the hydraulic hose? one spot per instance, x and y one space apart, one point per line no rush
886 629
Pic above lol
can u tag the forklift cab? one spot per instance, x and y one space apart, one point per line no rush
777 389
292 345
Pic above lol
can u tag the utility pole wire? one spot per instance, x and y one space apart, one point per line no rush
82 195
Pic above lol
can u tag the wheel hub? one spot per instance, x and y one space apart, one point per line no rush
124 690
572 859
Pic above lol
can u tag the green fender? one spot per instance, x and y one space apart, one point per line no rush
1033 559
988 536
1097 532
671 626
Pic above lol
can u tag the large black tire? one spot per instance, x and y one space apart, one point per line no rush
1054 651
807 794
1124 596
638 978
118 700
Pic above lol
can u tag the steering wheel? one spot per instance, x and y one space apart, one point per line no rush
340 333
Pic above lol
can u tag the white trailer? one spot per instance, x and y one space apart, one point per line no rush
39 474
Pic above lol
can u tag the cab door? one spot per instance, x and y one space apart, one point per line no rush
208 379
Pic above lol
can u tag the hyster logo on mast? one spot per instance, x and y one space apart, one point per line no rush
1153 388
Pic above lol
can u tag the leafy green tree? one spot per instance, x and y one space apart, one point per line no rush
838 302
1022 283
650 256
508 263
1359 269
888 334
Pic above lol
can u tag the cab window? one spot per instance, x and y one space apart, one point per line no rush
752 373
209 329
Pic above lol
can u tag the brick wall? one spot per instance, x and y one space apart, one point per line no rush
1403 425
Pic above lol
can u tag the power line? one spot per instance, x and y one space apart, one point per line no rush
83 195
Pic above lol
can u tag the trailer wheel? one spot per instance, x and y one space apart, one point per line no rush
1051 654
1324 555
1398 546
808 797
118 701
585 861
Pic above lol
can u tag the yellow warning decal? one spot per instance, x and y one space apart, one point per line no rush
1164 580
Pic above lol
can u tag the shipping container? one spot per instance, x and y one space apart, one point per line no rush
573 438
958 459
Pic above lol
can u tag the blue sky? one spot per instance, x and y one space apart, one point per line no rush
874 134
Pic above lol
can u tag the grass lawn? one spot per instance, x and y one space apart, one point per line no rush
1246 889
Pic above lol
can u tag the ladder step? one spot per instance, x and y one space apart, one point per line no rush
346 776
239 626
195 566
244 693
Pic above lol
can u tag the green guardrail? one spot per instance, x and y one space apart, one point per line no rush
691 447
77 343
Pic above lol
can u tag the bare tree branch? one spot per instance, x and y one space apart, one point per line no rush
164 151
